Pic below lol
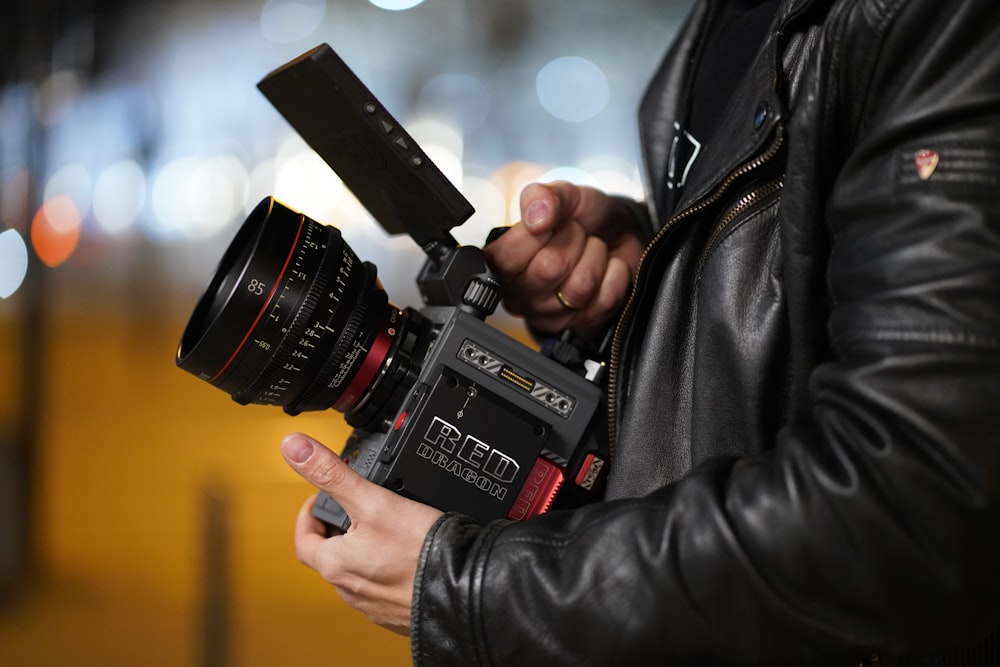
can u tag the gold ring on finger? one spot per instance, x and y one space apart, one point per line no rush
564 303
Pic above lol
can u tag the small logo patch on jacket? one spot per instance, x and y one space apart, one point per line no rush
926 161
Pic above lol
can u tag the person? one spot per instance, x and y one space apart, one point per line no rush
804 382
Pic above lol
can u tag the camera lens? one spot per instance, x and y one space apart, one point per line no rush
292 317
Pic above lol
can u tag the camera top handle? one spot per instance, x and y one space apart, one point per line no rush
336 114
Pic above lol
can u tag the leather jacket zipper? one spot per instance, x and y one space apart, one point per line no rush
625 319
747 201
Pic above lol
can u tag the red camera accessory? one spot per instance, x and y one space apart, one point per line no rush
539 490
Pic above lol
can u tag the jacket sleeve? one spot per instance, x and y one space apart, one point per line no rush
873 524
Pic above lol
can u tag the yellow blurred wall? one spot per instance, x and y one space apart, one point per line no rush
132 452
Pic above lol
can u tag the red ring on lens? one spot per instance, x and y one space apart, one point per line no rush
371 365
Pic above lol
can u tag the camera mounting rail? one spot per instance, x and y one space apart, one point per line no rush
340 119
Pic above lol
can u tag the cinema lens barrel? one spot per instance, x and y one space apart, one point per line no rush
293 318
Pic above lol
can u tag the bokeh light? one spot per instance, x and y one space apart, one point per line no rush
572 174
261 183
193 198
55 230
119 196
304 182
395 5
510 179
430 131
74 181
572 88
13 262
491 210
171 211
218 191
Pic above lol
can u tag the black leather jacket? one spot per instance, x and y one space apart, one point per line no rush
805 388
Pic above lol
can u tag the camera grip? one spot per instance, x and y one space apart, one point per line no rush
332 514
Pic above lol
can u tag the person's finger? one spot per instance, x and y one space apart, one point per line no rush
553 263
611 293
310 535
510 254
578 288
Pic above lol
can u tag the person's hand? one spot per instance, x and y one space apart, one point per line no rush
569 264
372 565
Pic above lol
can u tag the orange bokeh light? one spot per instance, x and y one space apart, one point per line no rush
55 230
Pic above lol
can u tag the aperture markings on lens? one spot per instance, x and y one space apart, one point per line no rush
308 340
257 367
267 301
288 357
350 329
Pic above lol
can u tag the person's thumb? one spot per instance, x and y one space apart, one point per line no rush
323 469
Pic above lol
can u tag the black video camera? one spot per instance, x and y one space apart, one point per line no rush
446 409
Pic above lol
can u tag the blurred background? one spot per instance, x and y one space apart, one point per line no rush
146 518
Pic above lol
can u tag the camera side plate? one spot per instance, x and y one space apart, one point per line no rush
466 448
